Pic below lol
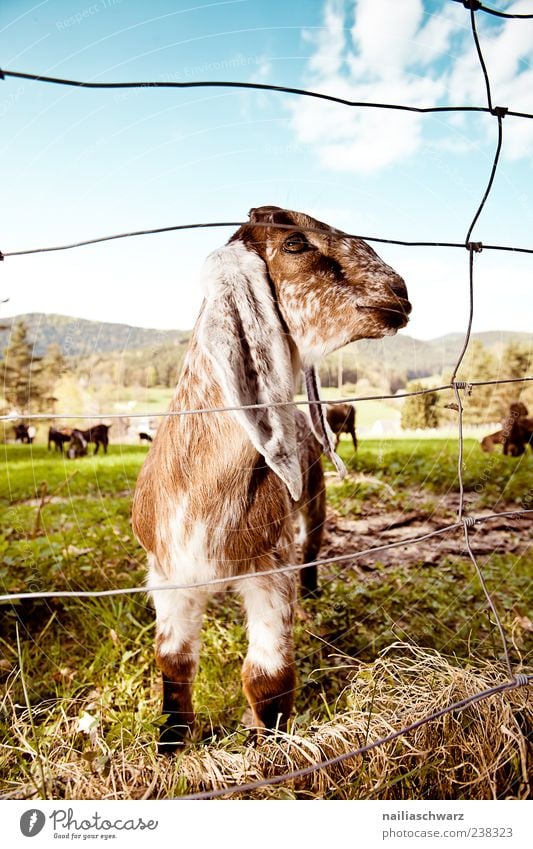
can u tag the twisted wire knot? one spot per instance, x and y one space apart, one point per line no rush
463 384
469 521
521 680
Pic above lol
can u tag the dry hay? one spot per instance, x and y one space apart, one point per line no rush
483 751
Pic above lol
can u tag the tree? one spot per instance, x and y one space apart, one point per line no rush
420 411
21 371
516 362
52 368
479 364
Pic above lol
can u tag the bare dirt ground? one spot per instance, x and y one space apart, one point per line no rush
379 525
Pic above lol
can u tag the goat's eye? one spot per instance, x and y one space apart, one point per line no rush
295 244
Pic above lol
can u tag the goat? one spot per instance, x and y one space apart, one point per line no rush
99 434
22 434
78 445
213 498
514 439
341 419
58 438
145 436
489 442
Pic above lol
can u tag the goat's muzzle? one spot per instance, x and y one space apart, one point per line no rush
394 314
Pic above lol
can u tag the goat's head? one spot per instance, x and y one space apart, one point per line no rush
332 289
285 291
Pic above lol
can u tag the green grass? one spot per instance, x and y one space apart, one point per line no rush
95 657
432 465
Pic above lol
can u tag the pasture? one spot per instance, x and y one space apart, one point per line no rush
393 635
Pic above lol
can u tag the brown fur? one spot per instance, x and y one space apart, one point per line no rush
312 505
515 432
341 419
178 672
204 477
489 442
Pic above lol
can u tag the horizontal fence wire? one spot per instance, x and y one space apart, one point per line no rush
292 567
301 92
475 6
463 523
461 384
213 224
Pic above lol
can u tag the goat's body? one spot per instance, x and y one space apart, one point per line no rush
341 419
488 443
58 438
232 526
99 434
217 494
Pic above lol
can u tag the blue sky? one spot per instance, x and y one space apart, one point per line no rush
77 164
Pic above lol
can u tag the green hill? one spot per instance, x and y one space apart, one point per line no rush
78 337
400 354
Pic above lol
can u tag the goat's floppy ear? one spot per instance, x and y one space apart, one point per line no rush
319 421
242 334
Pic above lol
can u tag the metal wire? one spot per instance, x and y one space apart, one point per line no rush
213 224
11 417
519 681
292 567
302 92
474 6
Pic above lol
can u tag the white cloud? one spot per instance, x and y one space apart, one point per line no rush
385 51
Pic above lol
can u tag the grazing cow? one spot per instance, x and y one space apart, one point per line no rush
341 419
145 437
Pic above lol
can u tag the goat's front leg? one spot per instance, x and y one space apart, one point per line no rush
268 672
179 615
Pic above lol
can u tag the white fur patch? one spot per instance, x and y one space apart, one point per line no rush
267 613
179 614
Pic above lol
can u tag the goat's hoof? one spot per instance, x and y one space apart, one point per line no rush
172 738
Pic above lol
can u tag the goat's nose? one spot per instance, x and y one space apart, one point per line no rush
399 288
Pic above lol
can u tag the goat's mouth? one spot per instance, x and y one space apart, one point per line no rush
395 316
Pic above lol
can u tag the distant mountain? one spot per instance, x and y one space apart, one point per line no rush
80 337
421 358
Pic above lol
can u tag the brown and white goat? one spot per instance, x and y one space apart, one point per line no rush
214 498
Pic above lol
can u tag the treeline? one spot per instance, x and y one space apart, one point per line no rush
155 366
481 404
31 383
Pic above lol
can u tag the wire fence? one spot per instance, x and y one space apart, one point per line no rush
464 523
